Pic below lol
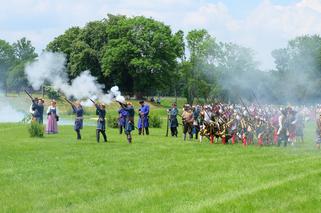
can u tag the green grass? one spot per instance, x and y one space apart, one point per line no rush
154 174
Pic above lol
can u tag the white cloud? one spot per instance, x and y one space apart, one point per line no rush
267 27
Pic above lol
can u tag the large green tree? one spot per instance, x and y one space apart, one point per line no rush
24 53
7 59
23 50
138 54
199 70
141 54
298 69
238 71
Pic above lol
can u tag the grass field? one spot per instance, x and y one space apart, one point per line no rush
154 174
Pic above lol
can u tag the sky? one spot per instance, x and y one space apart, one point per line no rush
263 25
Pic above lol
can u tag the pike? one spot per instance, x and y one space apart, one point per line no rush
244 105
258 103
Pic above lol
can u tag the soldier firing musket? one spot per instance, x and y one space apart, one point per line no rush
79 112
36 108
101 121
129 126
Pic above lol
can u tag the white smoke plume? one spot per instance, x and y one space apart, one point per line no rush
50 67
7 112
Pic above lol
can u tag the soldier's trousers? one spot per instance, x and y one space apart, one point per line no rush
146 130
196 131
283 138
174 131
78 134
188 129
103 132
129 137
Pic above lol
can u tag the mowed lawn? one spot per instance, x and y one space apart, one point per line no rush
154 174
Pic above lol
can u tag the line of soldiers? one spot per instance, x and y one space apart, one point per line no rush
236 123
125 122
126 119
228 122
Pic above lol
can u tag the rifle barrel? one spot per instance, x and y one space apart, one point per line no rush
29 95
92 101
69 102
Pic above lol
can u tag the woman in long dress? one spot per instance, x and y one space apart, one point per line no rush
53 116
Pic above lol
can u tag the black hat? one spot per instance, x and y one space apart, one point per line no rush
141 101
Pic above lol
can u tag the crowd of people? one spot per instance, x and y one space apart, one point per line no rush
253 124
220 123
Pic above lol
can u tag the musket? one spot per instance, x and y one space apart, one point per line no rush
121 104
92 101
69 102
32 99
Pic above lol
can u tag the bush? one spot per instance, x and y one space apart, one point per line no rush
155 121
26 119
36 129
112 122
52 94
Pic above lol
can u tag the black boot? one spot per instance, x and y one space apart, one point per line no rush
129 138
104 135
97 135
78 135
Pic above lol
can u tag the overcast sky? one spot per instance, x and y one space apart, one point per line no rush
262 25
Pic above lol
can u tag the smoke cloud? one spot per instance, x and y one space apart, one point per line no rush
50 67
7 112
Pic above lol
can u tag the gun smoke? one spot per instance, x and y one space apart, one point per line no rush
51 67
7 112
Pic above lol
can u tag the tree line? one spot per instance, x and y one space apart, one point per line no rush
144 57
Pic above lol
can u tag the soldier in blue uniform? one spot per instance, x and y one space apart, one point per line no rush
122 120
101 122
79 112
173 112
196 122
143 121
130 126
38 108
